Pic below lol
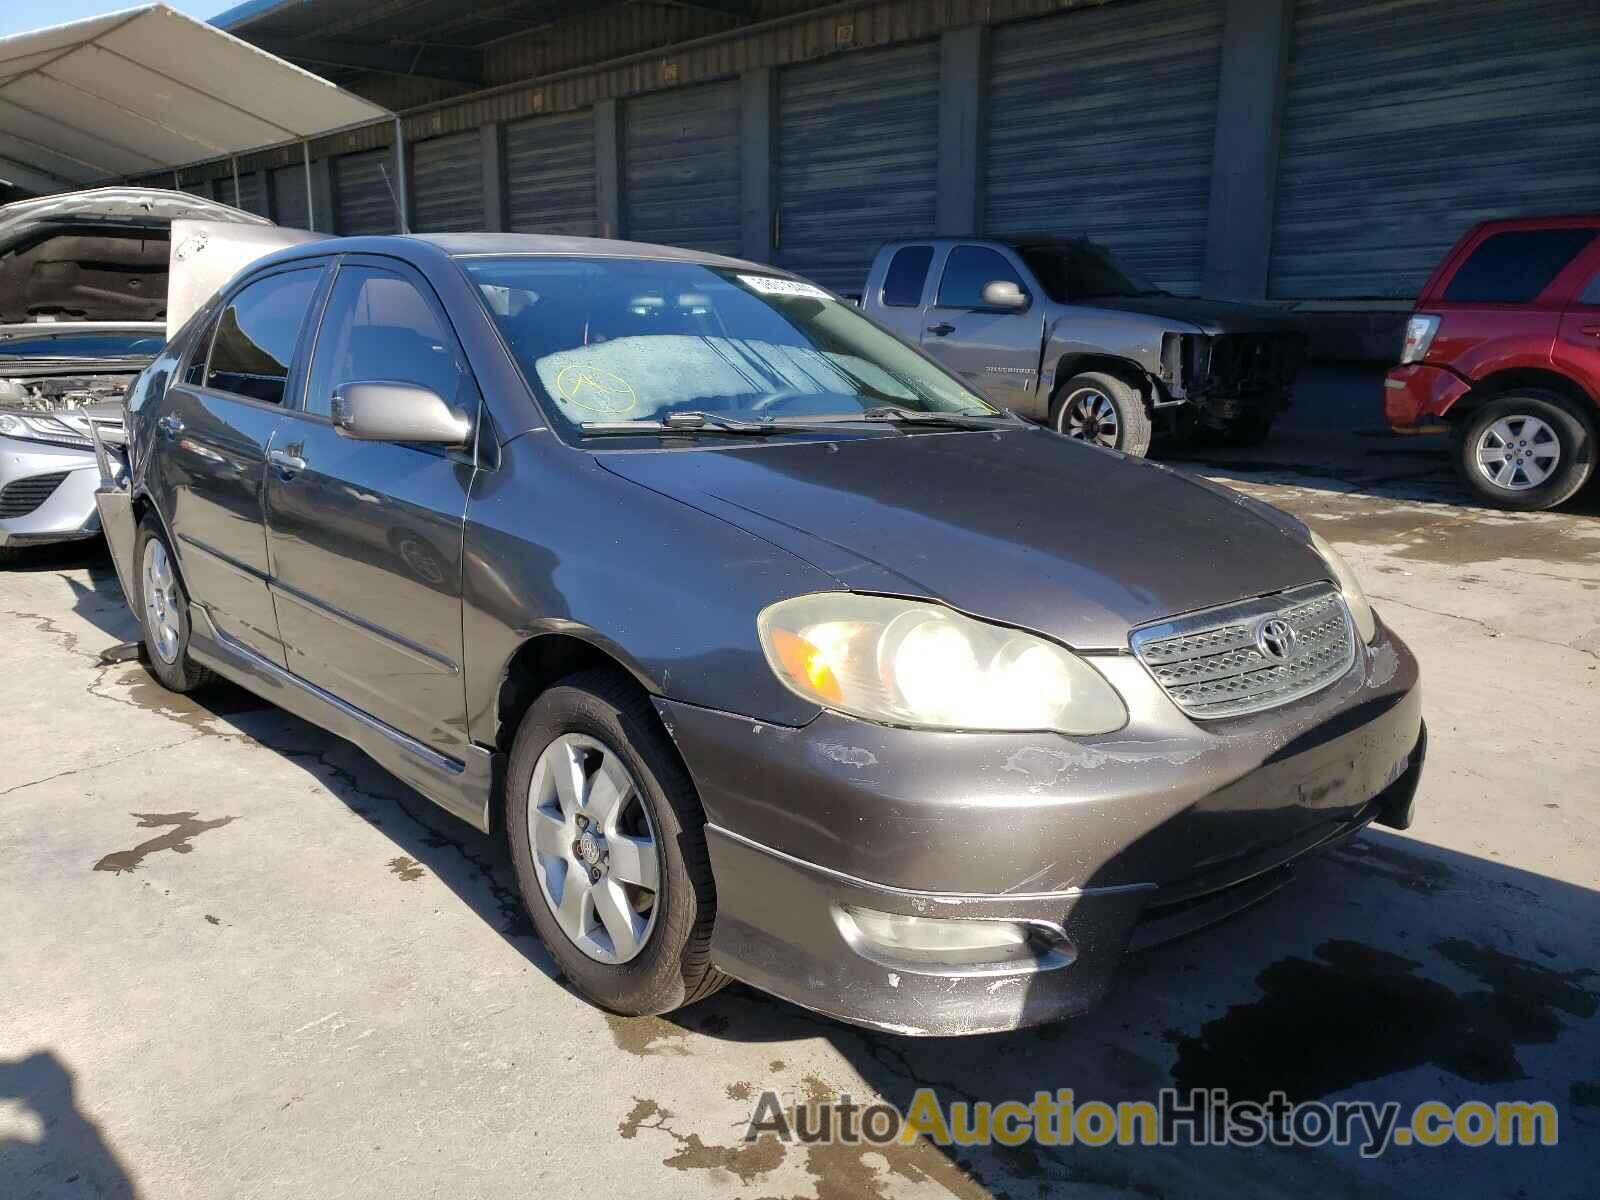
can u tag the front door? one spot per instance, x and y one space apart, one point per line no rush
365 537
217 425
996 351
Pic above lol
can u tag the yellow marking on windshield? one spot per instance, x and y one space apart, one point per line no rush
597 390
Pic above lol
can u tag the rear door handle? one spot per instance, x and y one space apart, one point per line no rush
286 462
941 329
170 425
1592 330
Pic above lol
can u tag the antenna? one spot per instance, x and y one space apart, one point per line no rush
399 212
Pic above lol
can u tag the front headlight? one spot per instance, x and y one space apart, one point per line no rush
905 662
39 427
1354 595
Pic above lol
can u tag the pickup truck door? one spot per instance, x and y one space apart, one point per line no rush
996 351
217 423
365 536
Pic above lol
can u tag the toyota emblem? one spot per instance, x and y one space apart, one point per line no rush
1276 639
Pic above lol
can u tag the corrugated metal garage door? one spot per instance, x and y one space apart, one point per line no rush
200 188
447 183
1103 122
289 205
858 154
250 197
681 165
549 164
1407 121
361 196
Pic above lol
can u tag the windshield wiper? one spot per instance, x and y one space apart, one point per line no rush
951 420
692 422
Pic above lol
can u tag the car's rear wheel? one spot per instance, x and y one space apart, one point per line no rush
1102 409
1528 450
607 837
163 609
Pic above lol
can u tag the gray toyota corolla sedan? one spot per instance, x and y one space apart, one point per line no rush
776 652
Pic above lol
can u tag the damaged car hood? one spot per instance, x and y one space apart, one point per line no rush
1208 316
1017 526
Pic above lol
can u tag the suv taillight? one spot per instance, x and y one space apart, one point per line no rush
1419 336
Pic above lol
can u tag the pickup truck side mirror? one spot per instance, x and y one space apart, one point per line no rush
1003 293
398 412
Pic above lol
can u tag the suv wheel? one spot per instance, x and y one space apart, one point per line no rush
1529 450
1100 408
607 837
163 608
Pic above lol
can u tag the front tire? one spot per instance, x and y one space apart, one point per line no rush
1102 409
163 608
1527 451
608 840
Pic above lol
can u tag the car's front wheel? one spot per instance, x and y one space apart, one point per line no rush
1100 408
163 609
1528 450
607 837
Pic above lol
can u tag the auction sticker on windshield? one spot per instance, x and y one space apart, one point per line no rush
595 389
771 285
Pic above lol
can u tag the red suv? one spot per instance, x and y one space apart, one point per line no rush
1503 349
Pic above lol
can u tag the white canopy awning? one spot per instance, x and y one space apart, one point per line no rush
150 89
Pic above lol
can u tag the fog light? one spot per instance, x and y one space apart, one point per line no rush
952 946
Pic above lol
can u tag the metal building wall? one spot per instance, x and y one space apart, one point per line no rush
447 183
1103 122
289 205
857 144
362 199
550 175
1407 121
681 168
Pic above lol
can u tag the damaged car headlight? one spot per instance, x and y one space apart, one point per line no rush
1355 595
39 427
905 662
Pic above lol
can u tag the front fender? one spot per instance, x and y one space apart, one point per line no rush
1131 338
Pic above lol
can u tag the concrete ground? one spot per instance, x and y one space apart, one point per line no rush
238 960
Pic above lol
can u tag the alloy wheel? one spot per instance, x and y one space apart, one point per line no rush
1518 453
1089 416
594 848
161 600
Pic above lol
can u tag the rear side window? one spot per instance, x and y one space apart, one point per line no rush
1591 294
908 271
256 335
1515 266
380 329
967 271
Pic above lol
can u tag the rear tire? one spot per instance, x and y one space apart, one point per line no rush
1528 450
603 724
163 608
1102 409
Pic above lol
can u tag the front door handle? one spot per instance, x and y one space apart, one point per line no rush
170 425
941 329
287 463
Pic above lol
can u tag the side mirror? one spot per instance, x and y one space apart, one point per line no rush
1002 293
398 412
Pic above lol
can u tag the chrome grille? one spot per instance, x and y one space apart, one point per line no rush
20 498
1212 663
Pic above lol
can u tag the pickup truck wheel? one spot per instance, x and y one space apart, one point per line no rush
163 608
608 840
1100 408
1529 450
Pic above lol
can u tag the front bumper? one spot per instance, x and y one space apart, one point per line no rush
67 512
1417 396
1099 845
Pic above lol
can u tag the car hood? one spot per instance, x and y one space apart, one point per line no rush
1020 526
1210 316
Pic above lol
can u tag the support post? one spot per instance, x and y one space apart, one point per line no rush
311 194
402 177
608 168
495 208
963 65
757 195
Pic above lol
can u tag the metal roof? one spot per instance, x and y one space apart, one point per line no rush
149 89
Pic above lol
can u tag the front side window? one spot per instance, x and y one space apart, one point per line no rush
635 340
257 334
908 271
1515 266
968 270
1083 270
380 329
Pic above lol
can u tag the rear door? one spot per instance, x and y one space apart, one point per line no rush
1577 348
217 424
366 537
994 350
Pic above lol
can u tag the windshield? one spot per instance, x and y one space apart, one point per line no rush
607 340
1083 270
67 343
